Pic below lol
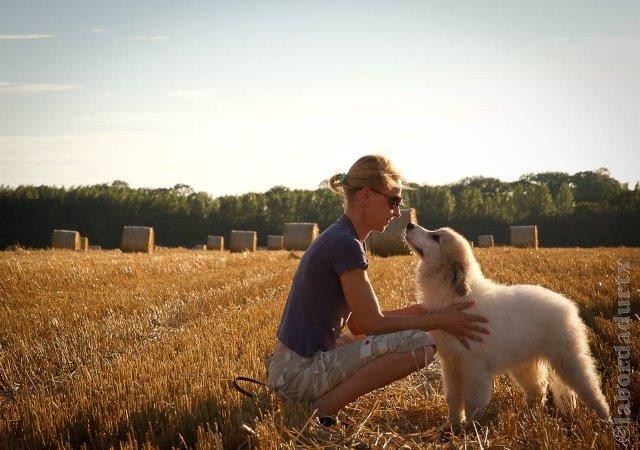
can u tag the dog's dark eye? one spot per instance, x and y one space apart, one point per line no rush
436 237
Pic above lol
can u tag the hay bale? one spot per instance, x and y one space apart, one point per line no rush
95 247
67 239
485 240
299 236
524 236
243 241
391 242
275 242
84 243
137 239
199 247
215 242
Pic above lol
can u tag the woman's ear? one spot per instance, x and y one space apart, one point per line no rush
365 193
459 280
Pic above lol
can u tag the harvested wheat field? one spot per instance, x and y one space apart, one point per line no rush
109 349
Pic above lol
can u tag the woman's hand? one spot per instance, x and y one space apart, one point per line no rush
347 338
462 325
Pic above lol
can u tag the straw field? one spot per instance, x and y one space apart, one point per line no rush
111 349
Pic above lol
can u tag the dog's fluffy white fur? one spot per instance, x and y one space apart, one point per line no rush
536 335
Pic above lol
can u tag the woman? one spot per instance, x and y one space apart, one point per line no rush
331 289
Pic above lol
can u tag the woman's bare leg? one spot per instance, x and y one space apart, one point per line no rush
379 372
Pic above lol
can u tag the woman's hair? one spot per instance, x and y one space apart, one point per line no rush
373 171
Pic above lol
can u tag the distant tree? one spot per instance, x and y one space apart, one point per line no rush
606 212
486 185
595 186
119 184
500 206
532 200
553 180
183 190
626 200
470 202
434 205
563 199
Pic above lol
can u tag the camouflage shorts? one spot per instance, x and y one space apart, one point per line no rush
294 377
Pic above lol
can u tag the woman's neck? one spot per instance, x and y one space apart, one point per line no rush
356 217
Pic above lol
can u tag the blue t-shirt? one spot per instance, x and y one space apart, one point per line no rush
316 309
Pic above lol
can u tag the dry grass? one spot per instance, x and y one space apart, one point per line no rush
137 350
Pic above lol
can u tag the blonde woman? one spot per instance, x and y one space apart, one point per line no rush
331 289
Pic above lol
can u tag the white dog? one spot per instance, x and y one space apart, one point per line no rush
535 335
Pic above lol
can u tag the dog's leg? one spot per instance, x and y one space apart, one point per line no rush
453 387
533 380
577 371
563 396
477 392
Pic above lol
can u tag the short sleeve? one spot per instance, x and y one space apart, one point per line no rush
347 253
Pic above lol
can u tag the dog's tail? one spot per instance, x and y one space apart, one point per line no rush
563 396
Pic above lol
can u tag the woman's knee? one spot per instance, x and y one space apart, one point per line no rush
407 340
420 357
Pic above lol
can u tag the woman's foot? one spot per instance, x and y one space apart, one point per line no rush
326 419
333 421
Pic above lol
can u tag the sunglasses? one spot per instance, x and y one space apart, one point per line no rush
395 201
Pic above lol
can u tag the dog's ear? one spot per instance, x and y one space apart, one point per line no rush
459 280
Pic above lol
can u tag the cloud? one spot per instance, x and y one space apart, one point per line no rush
24 37
97 30
128 117
193 94
445 48
148 38
22 88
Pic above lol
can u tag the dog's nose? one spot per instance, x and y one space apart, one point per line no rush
410 226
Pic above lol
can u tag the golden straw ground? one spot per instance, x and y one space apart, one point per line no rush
114 349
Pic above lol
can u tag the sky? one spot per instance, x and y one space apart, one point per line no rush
240 96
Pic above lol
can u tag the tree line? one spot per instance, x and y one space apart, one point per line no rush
586 209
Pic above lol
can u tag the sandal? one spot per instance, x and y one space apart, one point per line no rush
333 421
328 421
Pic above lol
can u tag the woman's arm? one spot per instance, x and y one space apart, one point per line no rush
412 310
367 318
406 311
365 308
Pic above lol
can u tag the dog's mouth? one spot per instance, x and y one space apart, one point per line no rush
414 248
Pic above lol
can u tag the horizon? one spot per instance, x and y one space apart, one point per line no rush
231 97
319 186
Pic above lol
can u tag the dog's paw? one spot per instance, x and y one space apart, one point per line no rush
447 431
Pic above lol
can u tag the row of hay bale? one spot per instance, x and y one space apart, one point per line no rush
391 241
134 239
524 236
70 240
297 236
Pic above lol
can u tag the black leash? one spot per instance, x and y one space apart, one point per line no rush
250 380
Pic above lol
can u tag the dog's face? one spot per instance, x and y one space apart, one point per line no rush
442 252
